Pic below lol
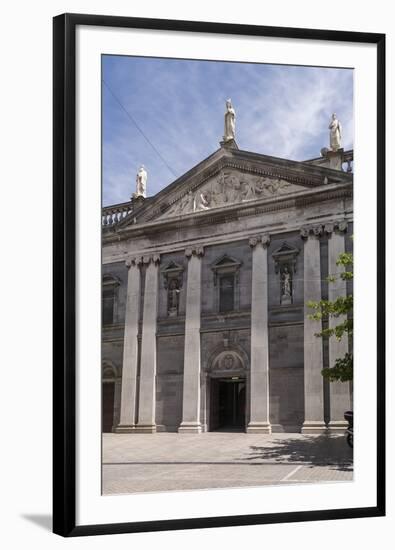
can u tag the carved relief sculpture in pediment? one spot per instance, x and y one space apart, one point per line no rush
229 187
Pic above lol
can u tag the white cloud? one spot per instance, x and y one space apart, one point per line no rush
281 111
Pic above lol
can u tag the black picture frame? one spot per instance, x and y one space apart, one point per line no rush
64 273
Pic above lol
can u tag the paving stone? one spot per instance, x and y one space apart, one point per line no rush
171 462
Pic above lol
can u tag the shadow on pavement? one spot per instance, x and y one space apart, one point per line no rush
322 450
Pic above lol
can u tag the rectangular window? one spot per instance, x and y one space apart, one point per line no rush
108 307
227 293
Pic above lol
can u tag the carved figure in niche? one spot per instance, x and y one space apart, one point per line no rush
230 122
335 133
286 286
173 297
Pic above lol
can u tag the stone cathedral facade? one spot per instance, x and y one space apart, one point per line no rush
205 293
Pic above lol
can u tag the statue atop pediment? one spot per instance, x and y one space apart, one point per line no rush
335 133
141 182
230 122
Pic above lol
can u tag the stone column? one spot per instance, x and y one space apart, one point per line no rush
147 397
259 370
130 349
313 354
191 387
339 400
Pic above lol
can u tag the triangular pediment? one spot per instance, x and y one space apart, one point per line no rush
225 261
172 267
231 177
284 249
285 255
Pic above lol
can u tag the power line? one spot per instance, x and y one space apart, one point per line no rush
138 128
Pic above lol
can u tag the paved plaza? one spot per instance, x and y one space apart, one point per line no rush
170 461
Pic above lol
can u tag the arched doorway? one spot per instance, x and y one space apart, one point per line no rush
227 391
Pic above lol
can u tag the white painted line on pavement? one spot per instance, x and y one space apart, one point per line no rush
290 474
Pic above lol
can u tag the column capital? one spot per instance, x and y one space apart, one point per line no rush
264 240
194 251
316 230
339 226
137 261
342 226
154 258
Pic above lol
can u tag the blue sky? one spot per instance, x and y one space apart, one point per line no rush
282 111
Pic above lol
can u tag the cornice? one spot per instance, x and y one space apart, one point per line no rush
275 229
297 175
235 211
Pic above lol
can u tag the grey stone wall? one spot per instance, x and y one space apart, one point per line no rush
286 382
169 381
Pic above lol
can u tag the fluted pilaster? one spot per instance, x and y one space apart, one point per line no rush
147 396
259 371
192 357
130 349
313 352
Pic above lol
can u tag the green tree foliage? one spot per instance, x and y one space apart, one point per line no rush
342 370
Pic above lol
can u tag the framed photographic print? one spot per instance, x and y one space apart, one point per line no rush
218 203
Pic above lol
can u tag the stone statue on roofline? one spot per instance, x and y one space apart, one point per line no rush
335 133
230 122
141 183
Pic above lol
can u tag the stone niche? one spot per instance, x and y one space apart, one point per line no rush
284 258
171 299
